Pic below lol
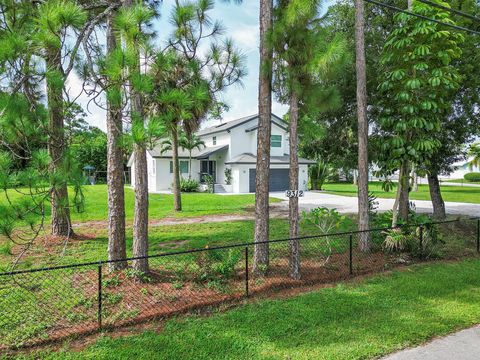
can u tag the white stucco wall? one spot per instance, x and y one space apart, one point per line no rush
246 142
163 177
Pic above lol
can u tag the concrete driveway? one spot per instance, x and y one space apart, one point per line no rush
346 204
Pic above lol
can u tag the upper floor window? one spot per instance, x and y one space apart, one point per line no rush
214 140
276 141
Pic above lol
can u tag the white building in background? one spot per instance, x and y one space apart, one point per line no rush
461 168
230 145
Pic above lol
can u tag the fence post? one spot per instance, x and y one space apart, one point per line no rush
478 235
421 241
246 271
350 263
99 315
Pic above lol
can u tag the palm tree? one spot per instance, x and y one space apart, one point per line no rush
474 152
191 143
188 143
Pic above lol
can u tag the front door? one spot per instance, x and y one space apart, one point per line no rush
208 167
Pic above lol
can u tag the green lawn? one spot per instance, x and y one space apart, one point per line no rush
162 239
449 193
161 205
351 321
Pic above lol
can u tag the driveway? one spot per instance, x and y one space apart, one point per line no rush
347 204
463 345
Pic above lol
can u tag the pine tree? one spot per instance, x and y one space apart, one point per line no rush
303 62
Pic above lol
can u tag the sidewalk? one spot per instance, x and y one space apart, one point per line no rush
463 345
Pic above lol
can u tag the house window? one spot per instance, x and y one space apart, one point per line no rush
183 167
214 139
276 141
153 166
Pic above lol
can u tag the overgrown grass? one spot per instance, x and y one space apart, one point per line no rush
350 321
449 193
160 205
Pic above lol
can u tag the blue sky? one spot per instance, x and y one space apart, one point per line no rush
241 23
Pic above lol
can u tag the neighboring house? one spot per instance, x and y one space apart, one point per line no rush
461 168
231 145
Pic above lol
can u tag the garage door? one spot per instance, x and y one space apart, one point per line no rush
278 179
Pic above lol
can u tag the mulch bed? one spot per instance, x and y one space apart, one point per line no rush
127 301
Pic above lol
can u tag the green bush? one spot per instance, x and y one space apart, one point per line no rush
215 265
473 177
188 185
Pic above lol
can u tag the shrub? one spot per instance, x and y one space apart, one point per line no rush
228 176
210 182
320 173
473 177
326 220
216 265
188 185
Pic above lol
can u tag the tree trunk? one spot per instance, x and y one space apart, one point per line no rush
293 201
260 256
177 195
140 215
436 195
190 165
61 223
363 215
404 200
414 178
395 204
115 180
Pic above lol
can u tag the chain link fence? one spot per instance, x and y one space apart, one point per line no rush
45 305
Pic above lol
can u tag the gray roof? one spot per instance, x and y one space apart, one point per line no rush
234 123
196 154
248 158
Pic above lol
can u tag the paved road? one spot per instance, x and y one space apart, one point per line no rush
463 345
445 183
345 204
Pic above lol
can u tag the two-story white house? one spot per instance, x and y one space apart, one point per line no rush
231 145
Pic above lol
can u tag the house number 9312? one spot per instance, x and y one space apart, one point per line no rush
294 193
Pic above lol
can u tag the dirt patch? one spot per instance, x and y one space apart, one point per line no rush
277 212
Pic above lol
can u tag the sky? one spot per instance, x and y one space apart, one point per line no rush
241 23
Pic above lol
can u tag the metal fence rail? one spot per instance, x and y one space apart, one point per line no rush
48 304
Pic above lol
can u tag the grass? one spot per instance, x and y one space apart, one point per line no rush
160 205
161 239
351 321
449 193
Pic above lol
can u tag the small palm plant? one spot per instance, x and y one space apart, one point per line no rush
474 153
191 143
188 143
